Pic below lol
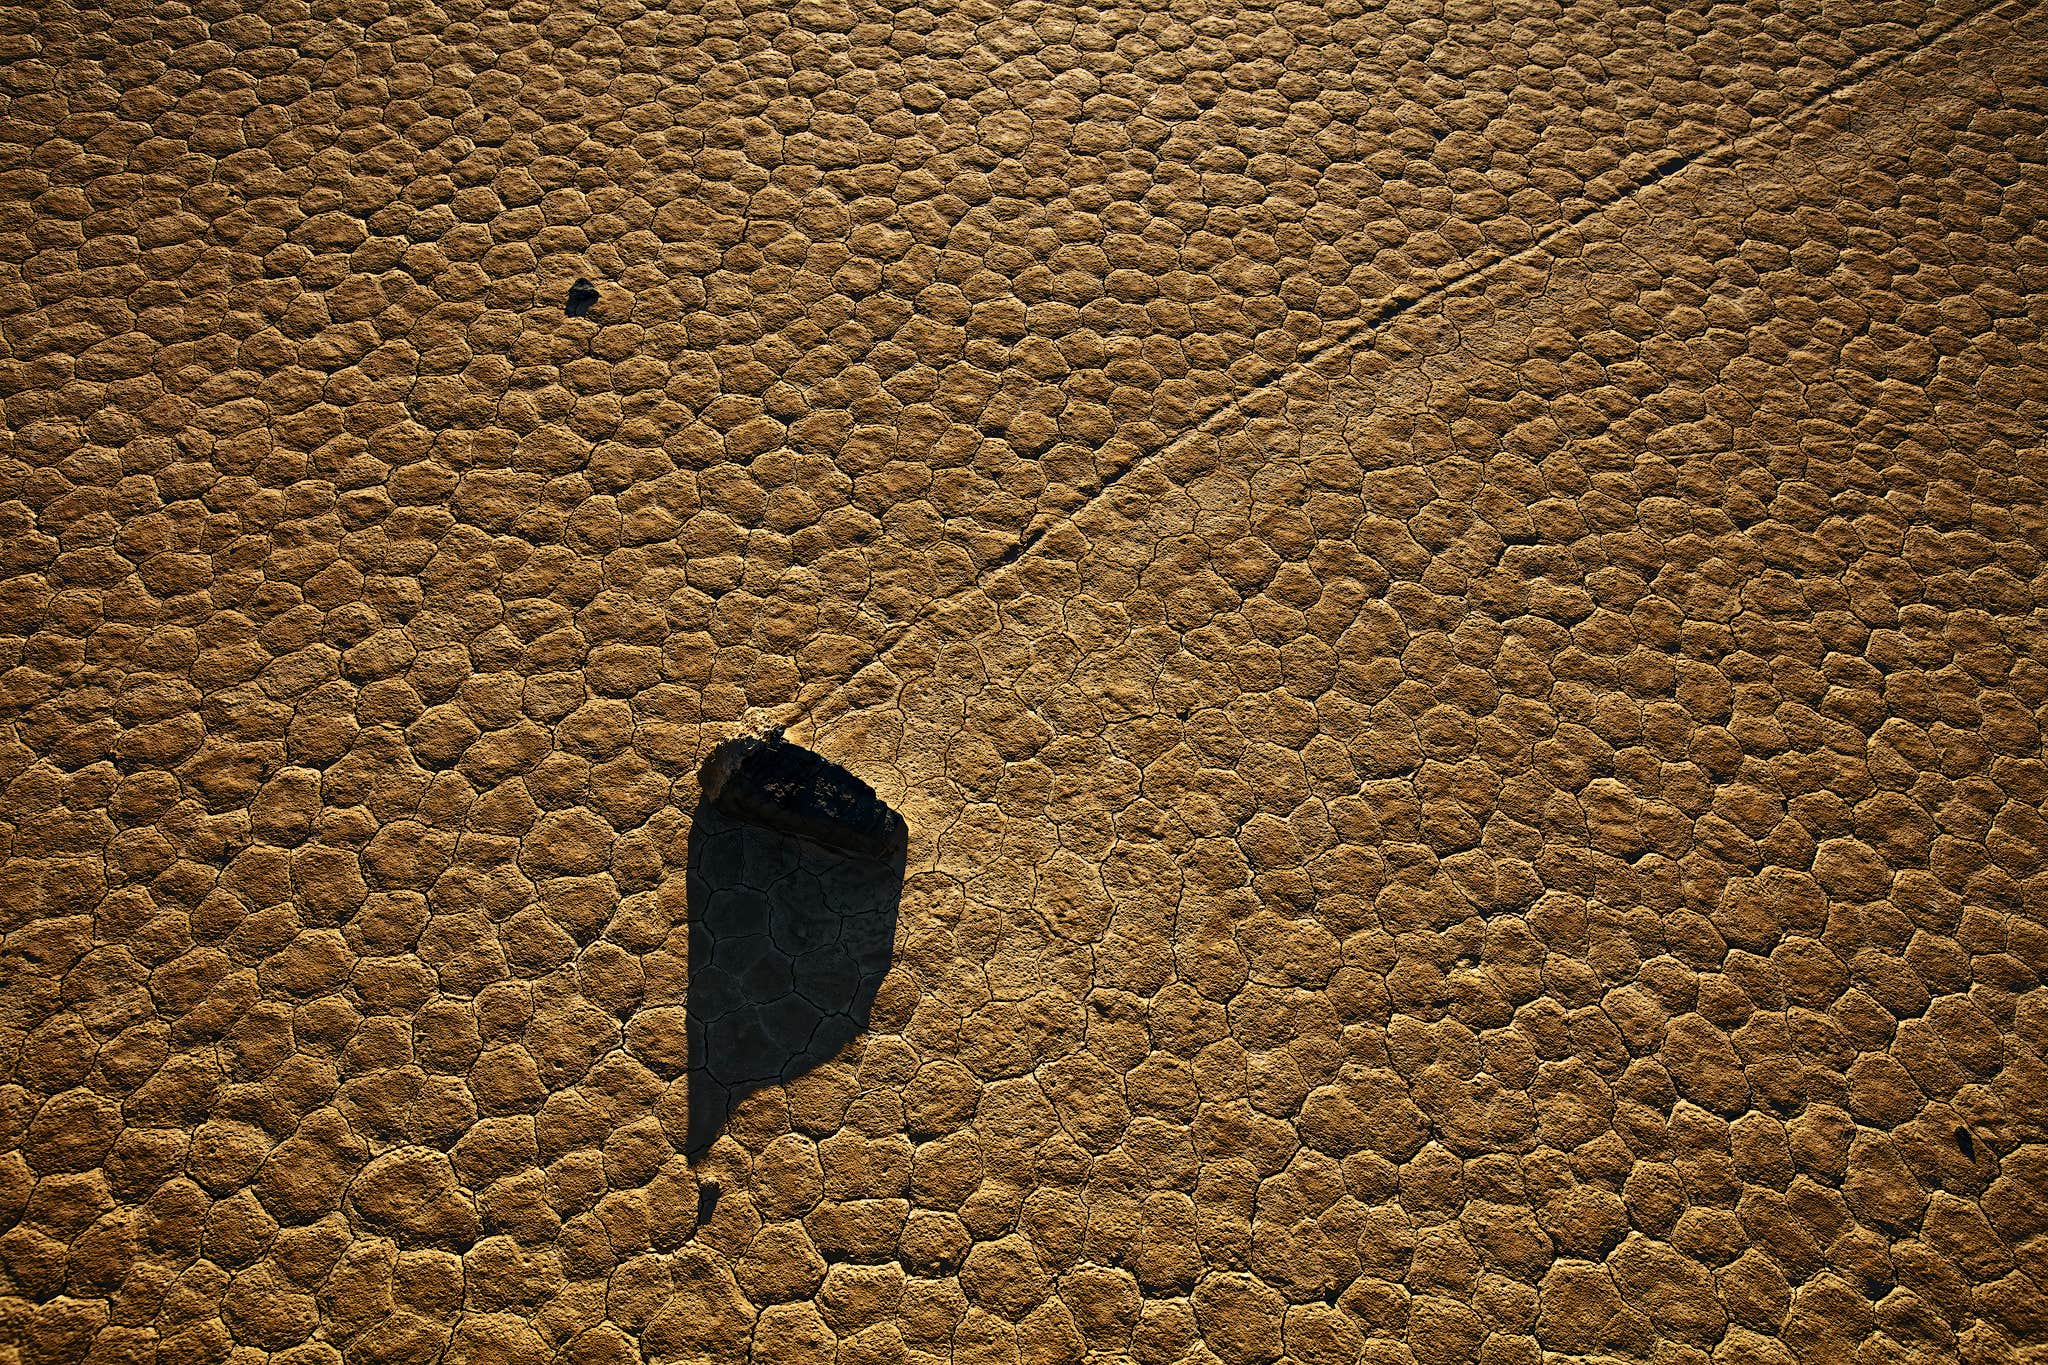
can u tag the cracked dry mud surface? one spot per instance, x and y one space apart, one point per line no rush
1453 596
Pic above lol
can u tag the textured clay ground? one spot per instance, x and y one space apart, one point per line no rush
1453 594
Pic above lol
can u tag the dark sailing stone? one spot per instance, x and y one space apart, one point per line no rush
769 781
582 296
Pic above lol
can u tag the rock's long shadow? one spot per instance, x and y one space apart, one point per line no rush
789 938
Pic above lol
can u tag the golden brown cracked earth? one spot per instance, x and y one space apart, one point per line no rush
1453 594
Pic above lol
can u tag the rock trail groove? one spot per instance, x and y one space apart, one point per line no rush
817 709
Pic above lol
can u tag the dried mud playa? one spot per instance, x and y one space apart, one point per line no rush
1453 596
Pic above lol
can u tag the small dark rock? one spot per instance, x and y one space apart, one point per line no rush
1967 1143
582 298
769 781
